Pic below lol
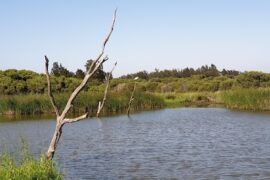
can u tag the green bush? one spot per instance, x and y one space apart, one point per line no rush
253 79
26 167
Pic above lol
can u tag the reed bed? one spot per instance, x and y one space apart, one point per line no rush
247 99
86 101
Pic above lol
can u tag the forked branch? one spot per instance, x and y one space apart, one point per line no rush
61 119
92 69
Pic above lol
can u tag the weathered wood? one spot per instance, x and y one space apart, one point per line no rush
49 87
61 119
101 104
131 99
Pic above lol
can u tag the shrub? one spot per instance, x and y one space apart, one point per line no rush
26 167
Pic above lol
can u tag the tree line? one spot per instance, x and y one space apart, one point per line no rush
203 71
205 78
14 81
59 70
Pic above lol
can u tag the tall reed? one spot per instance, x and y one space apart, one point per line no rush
26 167
86 101
247 99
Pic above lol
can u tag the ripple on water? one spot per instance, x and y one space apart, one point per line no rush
187 143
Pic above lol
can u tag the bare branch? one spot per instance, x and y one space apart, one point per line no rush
92 69
131 99
49 87
101 104
66 120
110 33
80 87
61 120
104 43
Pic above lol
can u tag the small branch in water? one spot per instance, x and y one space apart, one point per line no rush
101 104
131 97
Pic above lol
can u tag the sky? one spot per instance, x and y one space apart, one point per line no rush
149 34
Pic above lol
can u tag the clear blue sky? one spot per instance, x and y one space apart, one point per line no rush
149 34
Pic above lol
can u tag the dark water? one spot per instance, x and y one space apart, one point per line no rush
187 143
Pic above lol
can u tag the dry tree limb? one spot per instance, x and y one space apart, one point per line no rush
131 97
61 118
49 87
101 104
66 120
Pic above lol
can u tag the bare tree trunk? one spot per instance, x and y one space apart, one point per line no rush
131 99
61 119
55 139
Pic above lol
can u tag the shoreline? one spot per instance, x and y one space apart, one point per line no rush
47 116
249 100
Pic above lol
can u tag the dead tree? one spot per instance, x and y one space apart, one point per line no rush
61 119
101 104
131 97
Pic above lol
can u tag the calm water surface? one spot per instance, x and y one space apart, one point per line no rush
186 143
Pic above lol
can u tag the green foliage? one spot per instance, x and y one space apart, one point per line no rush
28 89
79 74
253 79
203 71
247 99
59 70
100 74
86 101
226 84
205 78
26 167
189 99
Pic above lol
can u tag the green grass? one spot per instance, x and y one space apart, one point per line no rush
33 104
39 103
247 99
26 167
189 99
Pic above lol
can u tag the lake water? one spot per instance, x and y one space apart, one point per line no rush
184 143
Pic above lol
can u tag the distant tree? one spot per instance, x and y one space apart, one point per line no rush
186 72
213 71
224 72
55 69
208 71
230 73
100 74
79 74
142 75
59 70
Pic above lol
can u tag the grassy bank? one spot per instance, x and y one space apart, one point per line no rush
190 99
247 99
87 101
26 167
31 104
241 99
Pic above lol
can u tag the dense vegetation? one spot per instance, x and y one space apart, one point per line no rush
26 167
24 92
204 71
86 101
248 99
206 78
